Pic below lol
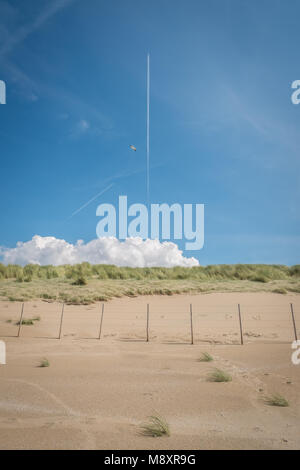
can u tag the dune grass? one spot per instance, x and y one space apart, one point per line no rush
253 272
44 363
85 283
80 281
205 357
28 321
276 400
218 375
279 290
156 427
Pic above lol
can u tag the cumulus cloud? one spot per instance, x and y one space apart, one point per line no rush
133 252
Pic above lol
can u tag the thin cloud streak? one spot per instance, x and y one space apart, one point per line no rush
20 35
91 200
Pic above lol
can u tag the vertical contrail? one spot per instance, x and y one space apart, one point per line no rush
148 130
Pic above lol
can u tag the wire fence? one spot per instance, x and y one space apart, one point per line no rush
214 324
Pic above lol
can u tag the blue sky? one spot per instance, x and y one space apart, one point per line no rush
223 129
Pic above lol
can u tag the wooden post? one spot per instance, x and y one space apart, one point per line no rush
61 321
192 331
147 328
101 321
241 326
21 320
294 322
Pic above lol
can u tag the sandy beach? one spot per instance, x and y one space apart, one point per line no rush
96 394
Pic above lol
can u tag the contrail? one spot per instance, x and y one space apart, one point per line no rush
148 130
91 200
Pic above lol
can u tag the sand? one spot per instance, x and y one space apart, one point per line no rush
95 394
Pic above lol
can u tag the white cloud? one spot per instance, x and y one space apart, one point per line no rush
83 125
80 128
133 252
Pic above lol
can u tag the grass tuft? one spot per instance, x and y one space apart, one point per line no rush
29 321
276 400
279 291
80 281
219 375
26 321
206 357
260 278
44 363
156 427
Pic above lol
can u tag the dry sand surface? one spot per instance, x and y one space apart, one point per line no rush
95 394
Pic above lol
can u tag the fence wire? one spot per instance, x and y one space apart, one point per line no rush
213 324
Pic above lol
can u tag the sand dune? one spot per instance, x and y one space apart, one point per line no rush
95 394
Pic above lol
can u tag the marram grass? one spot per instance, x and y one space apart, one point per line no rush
86 283
218 375
205 357
276 400
44 363
252 272
156 426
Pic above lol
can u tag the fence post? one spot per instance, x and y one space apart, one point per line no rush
61 321
192 331
147 328
100 329
241 326
294 322
21 320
